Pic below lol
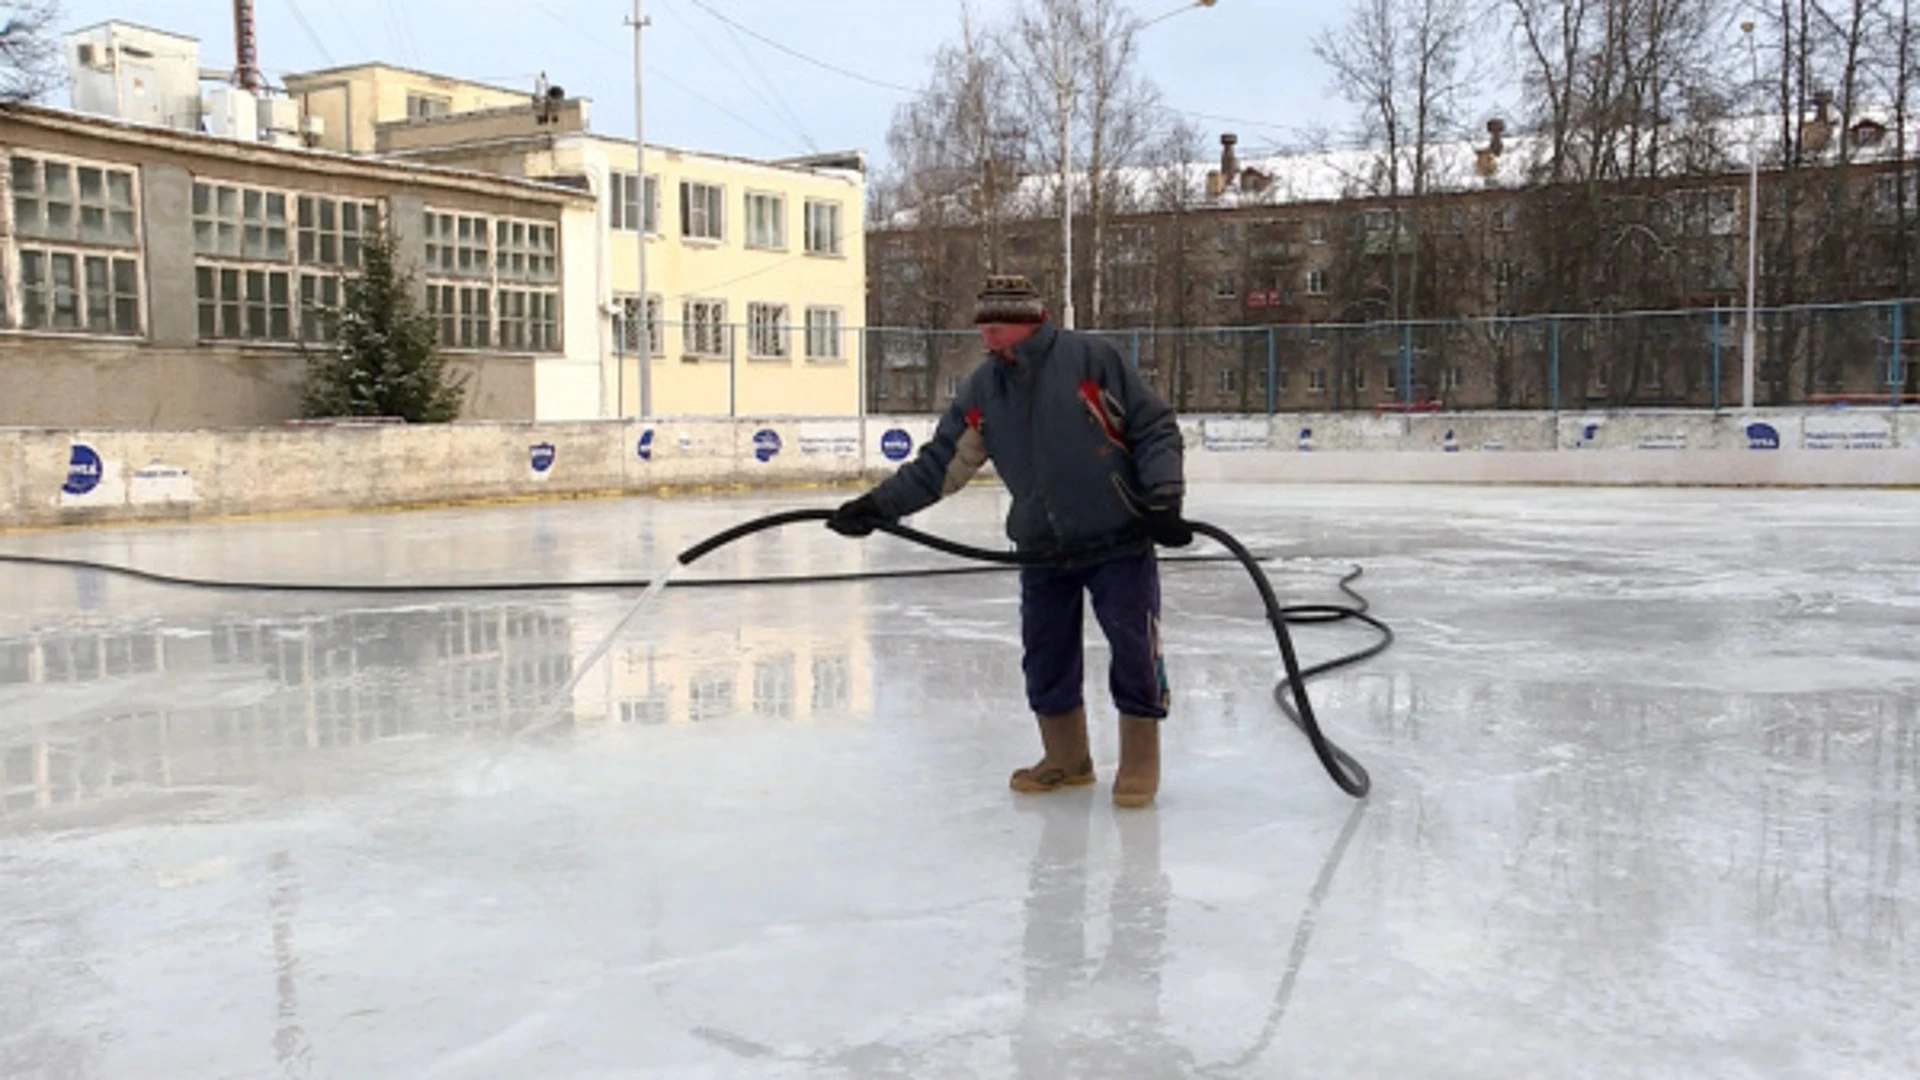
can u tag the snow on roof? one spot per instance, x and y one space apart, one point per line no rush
1304 177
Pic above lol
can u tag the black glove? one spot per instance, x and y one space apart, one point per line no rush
1164 523
857 518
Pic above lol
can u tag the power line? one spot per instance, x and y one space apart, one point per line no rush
775 104
837 70
301 18
691 91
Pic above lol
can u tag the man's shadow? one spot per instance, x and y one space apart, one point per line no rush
1090 1015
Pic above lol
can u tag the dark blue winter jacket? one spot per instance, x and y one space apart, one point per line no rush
1076 436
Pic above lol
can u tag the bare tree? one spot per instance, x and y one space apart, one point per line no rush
1122 117
1042 47
29 56
957 164
1404 64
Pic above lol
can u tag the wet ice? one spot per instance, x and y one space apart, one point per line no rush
1645 767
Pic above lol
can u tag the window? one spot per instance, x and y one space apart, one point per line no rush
1393 377
1316 230
823 333
1503 274
527 320
240 223
1450 379
331 230
62 200
702 211
493 283
624 211
704 326
1229 381
823 228
464 312
1706 212
320 295
427 106
767 331
244 303
766 221
79 291
1226 286
1503 218
953 387
526 251
1357 378
1317 381
1316 283
627 326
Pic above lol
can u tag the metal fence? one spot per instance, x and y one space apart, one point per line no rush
1816 354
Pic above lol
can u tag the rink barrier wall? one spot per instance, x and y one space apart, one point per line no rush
50 477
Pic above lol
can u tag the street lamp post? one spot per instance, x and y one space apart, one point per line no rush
1753 236
644 342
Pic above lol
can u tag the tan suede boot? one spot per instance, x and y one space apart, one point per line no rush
1067 761
1137 780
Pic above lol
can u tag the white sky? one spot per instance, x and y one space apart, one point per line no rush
713 88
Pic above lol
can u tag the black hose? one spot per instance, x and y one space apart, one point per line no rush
1346 772
183 581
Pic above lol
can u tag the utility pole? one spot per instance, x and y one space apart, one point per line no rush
1063 87
1753 237
643 346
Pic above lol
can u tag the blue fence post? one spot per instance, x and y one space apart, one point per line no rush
1896 378
1273 372
1406 365
1553 362
1714 341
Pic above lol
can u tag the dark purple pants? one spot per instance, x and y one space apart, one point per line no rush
1126 601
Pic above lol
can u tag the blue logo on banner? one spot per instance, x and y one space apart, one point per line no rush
896 444
83 470
1590 433
1450 444
1306 438
645 449
542 457
766 444
1763 437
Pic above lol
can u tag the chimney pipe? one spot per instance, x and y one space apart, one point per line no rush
1229 166
246 70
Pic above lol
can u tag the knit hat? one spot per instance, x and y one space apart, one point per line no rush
1009 298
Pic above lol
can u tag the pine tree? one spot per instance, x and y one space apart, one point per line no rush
384 360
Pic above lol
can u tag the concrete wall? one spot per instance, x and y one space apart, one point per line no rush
54 477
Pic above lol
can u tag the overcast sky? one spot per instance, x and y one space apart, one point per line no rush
711 87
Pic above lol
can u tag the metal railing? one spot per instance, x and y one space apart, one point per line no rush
1812 354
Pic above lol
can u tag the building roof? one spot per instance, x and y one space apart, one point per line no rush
130 25
215 146
323 74
1310 177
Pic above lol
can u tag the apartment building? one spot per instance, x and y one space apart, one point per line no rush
755 270
1286 287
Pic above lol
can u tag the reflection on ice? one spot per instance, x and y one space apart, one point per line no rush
1645 805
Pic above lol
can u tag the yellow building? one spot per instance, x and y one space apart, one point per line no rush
350 103
755 269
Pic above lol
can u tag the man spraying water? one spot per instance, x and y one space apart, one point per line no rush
1094 462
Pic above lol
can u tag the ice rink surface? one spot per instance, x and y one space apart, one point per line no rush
1645 769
